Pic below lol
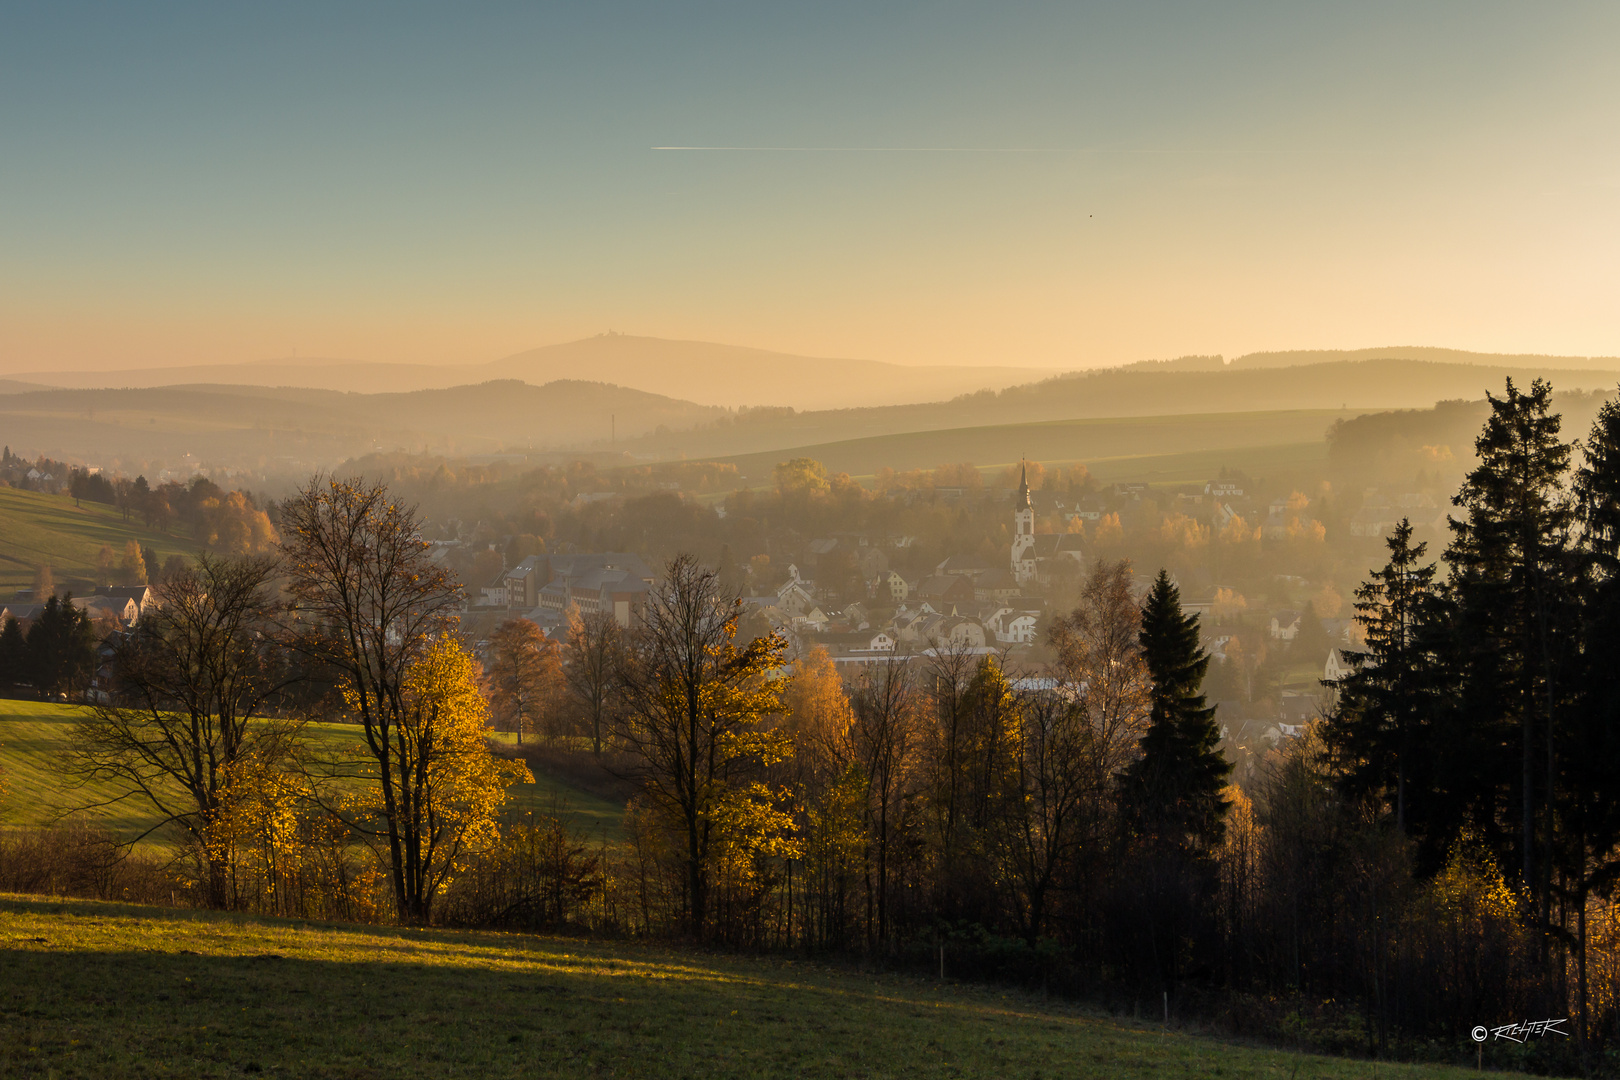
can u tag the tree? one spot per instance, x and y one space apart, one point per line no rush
368 605
1589 808
1508 558
132 567
1043 833
801 477
1311 644
695 717
1373 729
443 770
593 656
883 742
186 733
1099 655
13 654
44 583
1174 790
61 648
525 677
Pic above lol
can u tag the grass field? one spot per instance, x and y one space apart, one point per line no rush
97 990
1165 449
33 734
36 528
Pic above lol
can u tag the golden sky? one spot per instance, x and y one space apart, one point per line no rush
1061 185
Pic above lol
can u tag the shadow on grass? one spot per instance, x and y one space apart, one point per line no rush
97 990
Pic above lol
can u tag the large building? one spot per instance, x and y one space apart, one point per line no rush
1032 554
613 582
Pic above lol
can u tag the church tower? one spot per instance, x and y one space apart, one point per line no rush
1023 543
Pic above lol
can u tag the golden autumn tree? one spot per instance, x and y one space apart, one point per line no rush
445 778
370 607
696 711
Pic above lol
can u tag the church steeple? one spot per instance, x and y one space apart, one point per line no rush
1023 540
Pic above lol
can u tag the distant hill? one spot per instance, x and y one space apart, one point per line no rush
1359 385
697 371
1116 448
1525 361
1307 357
290 431
736 376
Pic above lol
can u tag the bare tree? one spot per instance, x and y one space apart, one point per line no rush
369 604
948 674
186 728
883 740
1055 738
594 651
1099 658
1100 665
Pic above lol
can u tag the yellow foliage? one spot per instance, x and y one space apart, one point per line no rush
1109 530
1237 531
1228 604
1327 602
1471 887
443 771
1179 530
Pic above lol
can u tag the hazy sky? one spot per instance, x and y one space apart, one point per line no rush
222 182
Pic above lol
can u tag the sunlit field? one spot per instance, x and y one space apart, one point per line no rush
99 990
34 734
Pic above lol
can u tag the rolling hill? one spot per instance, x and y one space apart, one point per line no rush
699 371
292 432
36 528
1136 448
1344 385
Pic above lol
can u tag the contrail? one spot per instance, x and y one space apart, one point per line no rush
982 150
891 149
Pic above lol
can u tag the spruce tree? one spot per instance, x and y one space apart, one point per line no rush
1374 728
61 647
13 654
1173 791
1509 561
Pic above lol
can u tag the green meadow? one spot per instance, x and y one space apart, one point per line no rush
33 736
36 529
96 990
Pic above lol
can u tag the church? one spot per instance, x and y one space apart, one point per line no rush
1032 555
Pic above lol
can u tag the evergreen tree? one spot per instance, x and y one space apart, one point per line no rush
1373 729
13 654
1174 790
1588 795
1509 562
61 647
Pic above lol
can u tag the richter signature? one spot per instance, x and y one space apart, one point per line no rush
1522 1031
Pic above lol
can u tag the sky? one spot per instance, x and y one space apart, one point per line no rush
1064 185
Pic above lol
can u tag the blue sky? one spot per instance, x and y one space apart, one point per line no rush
197 183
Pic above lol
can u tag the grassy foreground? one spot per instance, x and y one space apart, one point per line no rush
100 990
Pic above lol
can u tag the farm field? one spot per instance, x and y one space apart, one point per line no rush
37 528
33 734
98 990
1150 448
